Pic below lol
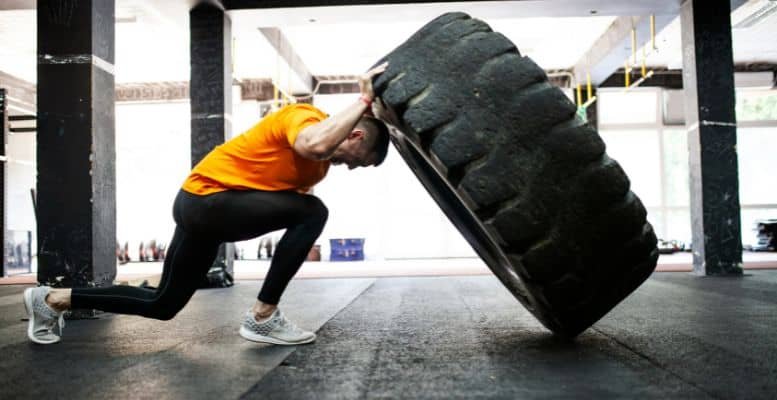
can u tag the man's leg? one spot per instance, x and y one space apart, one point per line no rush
228 216
244 215
189 256
289 255
187 263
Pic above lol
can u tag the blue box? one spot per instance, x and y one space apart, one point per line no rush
349 249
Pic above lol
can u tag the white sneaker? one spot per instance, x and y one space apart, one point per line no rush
276 330
42 319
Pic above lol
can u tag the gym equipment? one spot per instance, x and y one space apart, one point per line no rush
527 183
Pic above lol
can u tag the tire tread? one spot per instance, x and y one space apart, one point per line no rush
537 177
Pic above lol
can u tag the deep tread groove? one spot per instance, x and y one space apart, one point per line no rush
456 174
463 16
522 59
489 211
427 138
465 169
520 248
396 78
571 123
495 58
468 36
532 89
420 96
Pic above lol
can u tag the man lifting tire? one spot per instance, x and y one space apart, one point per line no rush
253 184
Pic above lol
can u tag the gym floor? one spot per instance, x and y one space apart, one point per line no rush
677 336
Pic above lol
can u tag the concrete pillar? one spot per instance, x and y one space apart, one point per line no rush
76 155
210 86
708 81
3 130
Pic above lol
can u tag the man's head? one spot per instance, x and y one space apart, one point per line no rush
366 145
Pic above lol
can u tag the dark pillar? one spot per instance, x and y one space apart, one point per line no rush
76 188
708 81
3 130
210 85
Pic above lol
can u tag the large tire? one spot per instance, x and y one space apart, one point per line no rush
526 182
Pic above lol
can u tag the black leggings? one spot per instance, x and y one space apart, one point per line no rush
202 224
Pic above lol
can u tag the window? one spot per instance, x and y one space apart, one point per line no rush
631 107
749 217
756 105
676 171
638 152
757 154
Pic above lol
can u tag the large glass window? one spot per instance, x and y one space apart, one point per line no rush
656 217
756 144
632 107
630 126
678 224
655 156
676 172
756 148
756 105
20 228
638 152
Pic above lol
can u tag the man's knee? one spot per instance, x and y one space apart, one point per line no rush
318 210
165 310
165 314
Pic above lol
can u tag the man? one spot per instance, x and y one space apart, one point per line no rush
253 184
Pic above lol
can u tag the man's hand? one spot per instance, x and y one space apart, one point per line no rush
365 80
319 141
379 110
383 113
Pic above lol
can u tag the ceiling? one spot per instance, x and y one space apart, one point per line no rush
750 44
152 37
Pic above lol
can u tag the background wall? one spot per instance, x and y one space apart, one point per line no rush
386 205
152 161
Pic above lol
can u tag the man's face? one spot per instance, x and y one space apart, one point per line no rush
353 152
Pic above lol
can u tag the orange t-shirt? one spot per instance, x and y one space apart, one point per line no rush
262 158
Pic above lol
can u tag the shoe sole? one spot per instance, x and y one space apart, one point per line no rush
248 335
31 317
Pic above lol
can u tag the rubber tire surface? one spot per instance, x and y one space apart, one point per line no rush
527 183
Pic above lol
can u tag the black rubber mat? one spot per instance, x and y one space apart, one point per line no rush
468 338
196 355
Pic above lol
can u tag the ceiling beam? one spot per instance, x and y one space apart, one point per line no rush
611 50
284 49
18 5
485 9
253 4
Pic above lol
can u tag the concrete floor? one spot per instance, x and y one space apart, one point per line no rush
678 336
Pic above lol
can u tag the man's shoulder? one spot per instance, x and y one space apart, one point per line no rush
303 107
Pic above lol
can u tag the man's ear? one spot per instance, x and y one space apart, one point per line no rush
356 134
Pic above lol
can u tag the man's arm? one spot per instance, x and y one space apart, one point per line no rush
319 141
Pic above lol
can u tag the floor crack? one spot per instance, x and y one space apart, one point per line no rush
656 363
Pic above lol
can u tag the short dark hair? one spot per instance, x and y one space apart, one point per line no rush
381 141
